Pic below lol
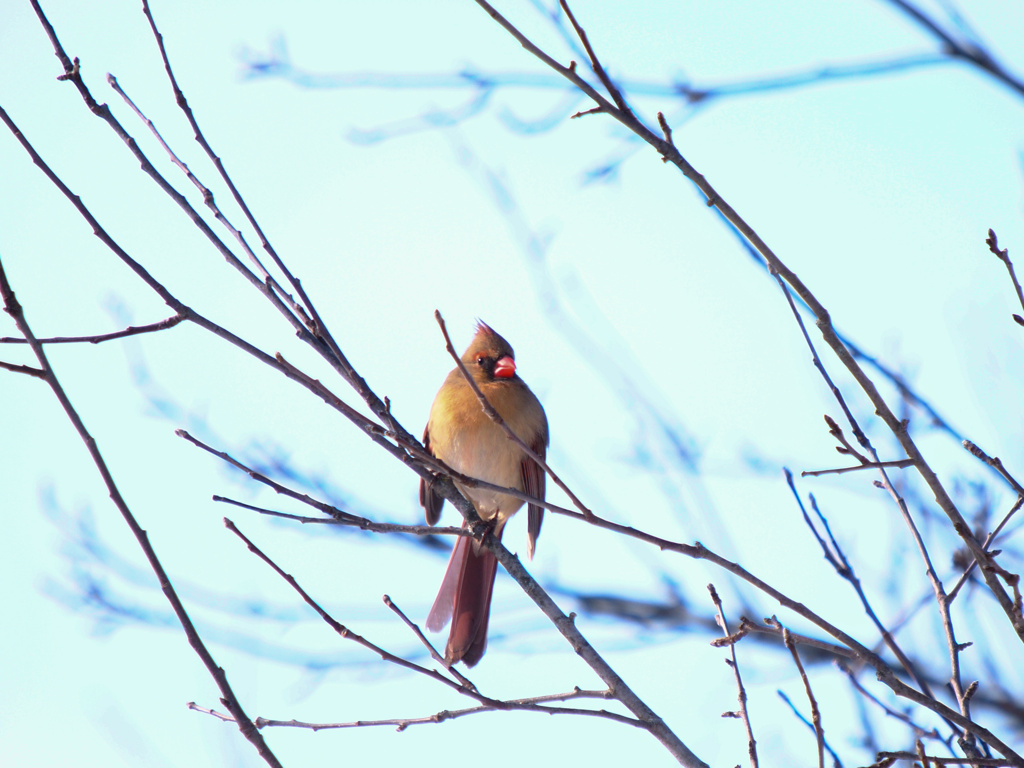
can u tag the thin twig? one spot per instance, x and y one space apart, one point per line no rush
996 464
732 662
214 713
988 542
980 762
318 338
819 732
844 447
595 64
800 716
1004 256
918 730
970 52
28 370
341 517
427 644
840 651
897 464
327 509
362 523
858 433
131 330
837 559
533 704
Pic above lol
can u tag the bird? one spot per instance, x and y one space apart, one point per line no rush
463 436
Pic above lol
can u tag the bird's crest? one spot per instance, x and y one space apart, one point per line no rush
482 327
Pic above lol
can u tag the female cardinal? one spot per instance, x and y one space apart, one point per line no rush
461 435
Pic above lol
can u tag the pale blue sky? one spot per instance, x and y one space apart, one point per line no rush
877 192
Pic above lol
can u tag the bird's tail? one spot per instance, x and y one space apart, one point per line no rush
465 599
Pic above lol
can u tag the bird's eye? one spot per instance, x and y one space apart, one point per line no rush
480 359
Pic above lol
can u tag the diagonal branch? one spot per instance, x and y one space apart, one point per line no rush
595 64
460 685
317 327
245 725
344 631
970 51
823 319
819 732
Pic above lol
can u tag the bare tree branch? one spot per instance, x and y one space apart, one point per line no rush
245 725
28 370
131 330
898 464
461 685
819 732
389 434
1004 256
996 464
970 51
742 692
823 319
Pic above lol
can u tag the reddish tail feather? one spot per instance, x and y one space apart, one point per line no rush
465 599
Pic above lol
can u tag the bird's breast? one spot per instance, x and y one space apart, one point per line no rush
464 438
487 454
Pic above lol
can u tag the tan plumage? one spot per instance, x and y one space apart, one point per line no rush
463 436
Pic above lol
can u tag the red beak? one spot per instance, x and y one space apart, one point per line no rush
505 368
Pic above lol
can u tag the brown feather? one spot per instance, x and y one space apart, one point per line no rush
430 501
534 481
467 640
